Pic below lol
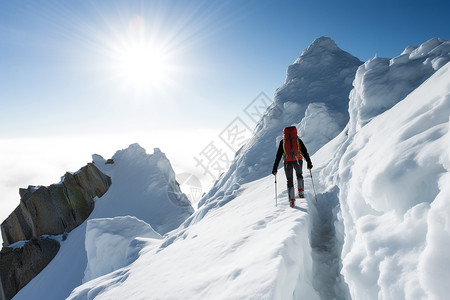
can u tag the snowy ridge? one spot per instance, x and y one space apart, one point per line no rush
318 46
380 83
318 83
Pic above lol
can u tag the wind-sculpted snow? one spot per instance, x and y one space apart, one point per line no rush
145 188
111 245
393 177
381 82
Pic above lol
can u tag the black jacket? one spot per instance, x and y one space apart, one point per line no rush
281 151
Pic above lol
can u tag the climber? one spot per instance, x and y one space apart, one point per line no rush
293 150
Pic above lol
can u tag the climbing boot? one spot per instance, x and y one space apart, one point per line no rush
291 192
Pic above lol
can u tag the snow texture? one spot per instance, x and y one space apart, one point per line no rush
390 177
110 244
145 188
381 82
320 125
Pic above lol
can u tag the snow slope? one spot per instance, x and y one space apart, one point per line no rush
109 244
247 249
144 187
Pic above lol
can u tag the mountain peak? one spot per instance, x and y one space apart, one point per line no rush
323 54
324 42
319 45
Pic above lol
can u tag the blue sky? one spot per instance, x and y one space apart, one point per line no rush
54 65
70 81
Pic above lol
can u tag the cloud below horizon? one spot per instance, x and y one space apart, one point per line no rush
42 161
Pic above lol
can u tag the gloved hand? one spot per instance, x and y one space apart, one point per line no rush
274 172
310 166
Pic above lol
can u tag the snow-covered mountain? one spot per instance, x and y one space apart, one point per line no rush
143 201
379 230
314 97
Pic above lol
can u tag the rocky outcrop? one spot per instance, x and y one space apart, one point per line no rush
19 265
55 209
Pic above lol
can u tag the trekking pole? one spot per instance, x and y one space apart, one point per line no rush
276 194
314 189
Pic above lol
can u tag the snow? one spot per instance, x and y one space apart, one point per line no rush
320 125
110 244
380 83
248 248
142 183
380 228
18 244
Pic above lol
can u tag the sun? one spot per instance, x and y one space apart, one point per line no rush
143 65
140 61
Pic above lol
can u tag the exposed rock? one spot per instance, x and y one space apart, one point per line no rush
20 265
55 209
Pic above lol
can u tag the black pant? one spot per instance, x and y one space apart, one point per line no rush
289 168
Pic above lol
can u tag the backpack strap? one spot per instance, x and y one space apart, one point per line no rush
298 145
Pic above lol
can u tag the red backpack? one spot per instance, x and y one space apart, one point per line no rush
291 145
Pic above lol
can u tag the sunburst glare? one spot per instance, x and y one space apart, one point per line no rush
141 61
